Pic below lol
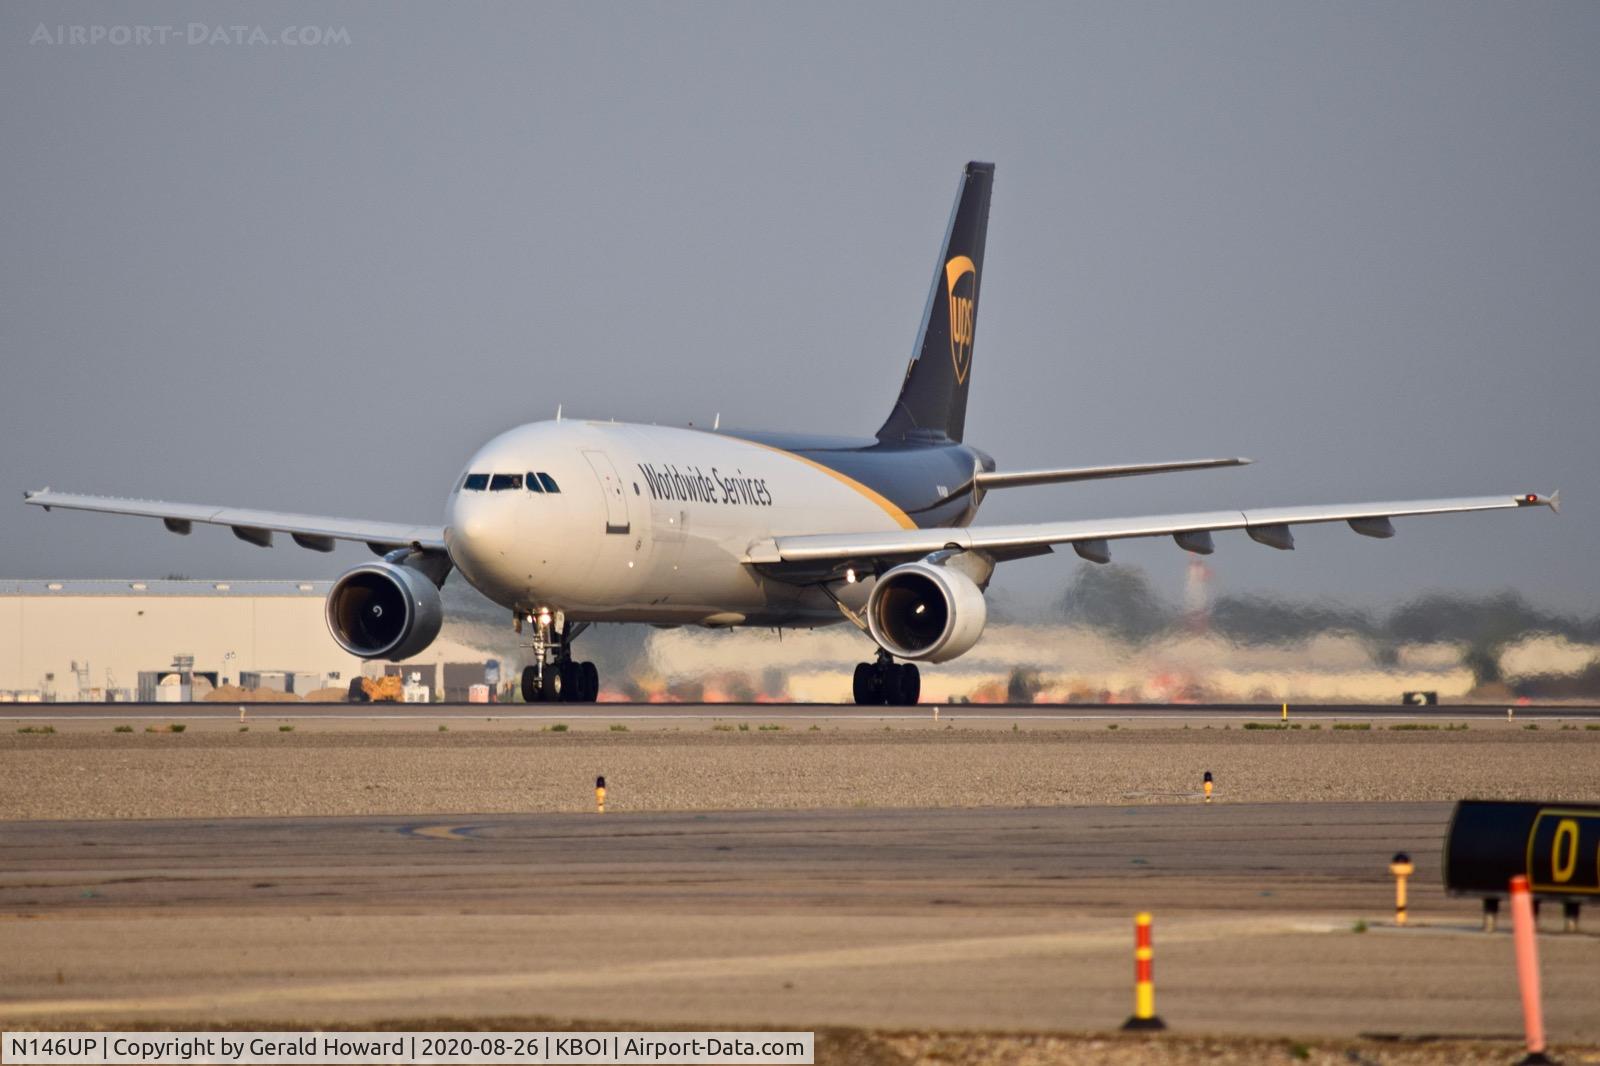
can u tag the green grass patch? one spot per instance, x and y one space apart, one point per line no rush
559 727
1360 926
744 727
286 729
724 727
38 730
443 728
1532 725
771 727
1112 725
1358 727
176 727
1592 727
618 727
1265 725
123 729
818 729
1413 727
244 729
1314 726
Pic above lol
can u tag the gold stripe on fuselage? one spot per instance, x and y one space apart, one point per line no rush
905 521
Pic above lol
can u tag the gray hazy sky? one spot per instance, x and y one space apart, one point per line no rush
1357 242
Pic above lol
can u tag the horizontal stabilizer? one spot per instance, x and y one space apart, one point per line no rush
997 479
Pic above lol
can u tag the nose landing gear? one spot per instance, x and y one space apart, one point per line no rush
554 676
887 682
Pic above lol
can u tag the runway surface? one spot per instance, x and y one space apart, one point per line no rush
1155 713
978 918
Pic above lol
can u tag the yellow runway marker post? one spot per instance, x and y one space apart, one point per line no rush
600 795
1206 784
1402 868
1144 985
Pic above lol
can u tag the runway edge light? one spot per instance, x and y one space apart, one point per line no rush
1206 784
600 795
1402 868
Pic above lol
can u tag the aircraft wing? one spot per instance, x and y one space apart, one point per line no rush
1091 538
317 532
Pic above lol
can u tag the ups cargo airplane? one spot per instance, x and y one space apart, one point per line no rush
571 522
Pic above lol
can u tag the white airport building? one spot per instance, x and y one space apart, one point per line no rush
97 640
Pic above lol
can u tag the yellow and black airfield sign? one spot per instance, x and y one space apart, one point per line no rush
1556 846
1564 851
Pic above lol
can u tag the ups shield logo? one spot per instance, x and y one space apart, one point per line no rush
961 291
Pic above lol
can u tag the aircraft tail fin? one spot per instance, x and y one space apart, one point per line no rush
933 399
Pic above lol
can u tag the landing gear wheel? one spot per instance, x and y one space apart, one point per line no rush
867 685
892 673
572 682
909 684
531 692
358 691
589 683
555 686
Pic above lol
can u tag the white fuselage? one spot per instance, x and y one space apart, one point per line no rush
650 524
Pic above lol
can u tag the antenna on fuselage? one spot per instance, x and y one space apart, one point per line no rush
558 412
716 423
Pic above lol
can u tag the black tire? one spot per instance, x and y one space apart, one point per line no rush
572 682
891 674
531 692
358 692
590 686
865 685
910 685
555 686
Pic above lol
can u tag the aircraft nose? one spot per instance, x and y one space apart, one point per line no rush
468 536
466 519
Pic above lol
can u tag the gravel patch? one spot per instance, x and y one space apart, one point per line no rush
212 773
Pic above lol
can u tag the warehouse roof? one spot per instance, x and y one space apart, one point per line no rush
163 587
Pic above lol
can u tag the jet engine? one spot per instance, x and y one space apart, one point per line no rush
926 611
384 611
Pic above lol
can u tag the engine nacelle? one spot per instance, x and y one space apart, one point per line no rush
384 611
926 612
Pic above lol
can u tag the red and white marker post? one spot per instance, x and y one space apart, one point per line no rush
1524 936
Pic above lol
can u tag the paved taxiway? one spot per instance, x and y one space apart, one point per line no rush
987 918
1155 713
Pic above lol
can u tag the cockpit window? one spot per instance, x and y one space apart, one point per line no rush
532 481
548 482
476 482
501 482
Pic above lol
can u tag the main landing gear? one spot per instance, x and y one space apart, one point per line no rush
554 676
887 682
